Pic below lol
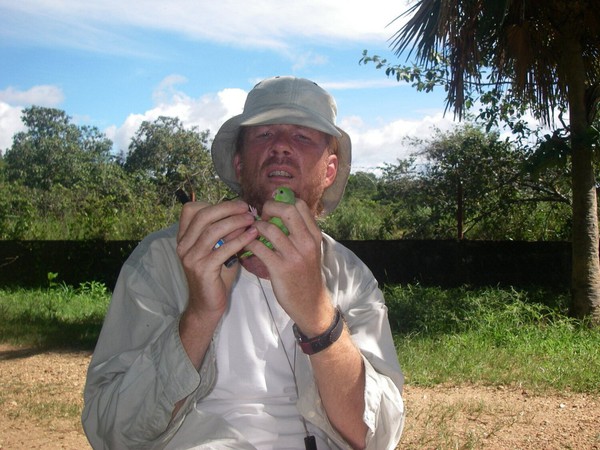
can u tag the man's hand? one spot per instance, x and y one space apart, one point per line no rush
294 264
209 281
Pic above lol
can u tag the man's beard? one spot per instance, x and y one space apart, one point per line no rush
256 194
253 195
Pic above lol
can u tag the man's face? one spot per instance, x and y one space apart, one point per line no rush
284 155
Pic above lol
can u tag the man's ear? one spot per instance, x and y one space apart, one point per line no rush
331 172
237 165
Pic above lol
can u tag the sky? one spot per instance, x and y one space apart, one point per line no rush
113 64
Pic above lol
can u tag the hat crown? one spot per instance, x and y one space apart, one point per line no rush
291 93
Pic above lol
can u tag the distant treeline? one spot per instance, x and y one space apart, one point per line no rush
61 181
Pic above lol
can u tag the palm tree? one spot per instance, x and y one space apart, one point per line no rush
547 53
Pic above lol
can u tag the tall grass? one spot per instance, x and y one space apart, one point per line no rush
59 316
493 336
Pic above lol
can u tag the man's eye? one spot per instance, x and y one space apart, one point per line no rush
262 135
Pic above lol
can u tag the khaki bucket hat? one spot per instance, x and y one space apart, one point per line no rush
290 101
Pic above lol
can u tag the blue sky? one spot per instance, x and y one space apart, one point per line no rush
113 64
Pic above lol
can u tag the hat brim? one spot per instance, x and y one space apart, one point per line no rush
224 147
292 116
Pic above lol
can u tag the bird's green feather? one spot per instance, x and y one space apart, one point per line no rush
282 194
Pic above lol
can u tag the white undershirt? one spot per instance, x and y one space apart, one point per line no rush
255 390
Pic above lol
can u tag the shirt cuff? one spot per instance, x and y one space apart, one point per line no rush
175 372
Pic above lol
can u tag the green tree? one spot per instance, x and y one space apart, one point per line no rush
397 180
60 181
357 218
53 151
361 214
173 157
546 52
474 184
361 185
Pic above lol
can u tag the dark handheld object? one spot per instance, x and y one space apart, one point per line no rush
310 443
184 198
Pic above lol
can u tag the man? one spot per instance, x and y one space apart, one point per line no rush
288 348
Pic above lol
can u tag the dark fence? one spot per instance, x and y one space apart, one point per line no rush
476 263
27 263
430 263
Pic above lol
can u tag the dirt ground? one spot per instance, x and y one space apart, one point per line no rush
40 402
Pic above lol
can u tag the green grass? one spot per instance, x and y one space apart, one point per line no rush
493 336
58 317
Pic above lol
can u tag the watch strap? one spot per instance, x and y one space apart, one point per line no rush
310 346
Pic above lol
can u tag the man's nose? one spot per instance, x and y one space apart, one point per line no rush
281 143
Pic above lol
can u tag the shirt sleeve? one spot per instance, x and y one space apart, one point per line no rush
140 369
369 327
356 291
384 408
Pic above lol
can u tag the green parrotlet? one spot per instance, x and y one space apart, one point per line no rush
281 194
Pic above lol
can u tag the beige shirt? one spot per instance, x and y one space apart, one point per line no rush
140 369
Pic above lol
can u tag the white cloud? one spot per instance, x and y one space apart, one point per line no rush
10 123
109 25
121 136
12 102
167 88
373 146
306 59
379 82
44 95
207 112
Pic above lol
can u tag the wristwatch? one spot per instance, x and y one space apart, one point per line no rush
310 346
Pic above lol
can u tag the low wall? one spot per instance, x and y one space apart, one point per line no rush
437 263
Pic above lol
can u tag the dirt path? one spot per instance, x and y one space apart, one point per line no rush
40 402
